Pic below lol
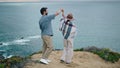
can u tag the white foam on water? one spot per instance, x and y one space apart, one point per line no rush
9 56
20 41
34 37
5 44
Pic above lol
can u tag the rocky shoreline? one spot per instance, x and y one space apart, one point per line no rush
19 62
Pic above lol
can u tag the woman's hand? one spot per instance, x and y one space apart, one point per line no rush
62 10
58 12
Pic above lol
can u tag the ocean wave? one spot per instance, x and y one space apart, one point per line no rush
34 37
18 42
5 43
22 41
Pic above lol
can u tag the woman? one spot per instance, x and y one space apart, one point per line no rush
68 29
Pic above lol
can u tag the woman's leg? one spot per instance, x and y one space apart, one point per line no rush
64 50
69 51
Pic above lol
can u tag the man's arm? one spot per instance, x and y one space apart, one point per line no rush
58 12
53 16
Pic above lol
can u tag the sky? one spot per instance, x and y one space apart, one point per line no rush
49 0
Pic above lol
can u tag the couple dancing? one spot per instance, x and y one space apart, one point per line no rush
68 30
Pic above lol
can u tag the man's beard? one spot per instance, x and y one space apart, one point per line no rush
46 14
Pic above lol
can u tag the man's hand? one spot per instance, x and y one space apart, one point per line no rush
58 12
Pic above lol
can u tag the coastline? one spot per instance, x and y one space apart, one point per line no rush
89 57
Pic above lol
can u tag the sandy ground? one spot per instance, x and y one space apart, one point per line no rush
80 60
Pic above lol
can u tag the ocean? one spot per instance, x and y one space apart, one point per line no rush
98 24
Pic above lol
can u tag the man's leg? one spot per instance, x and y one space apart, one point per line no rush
49 46
44 47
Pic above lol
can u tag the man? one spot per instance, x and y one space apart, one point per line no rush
68 29
46 33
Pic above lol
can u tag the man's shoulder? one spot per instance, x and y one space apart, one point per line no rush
41 18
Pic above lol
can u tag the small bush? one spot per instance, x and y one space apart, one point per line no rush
108 56
2 65
79 49
7 63
104 53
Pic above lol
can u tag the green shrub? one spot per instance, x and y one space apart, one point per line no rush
10 61
79 49
104 53
2 65
108 55
15 59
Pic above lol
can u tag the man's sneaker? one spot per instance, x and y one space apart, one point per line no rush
48 60
62 61
44 61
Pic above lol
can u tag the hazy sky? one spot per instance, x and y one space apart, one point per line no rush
49 0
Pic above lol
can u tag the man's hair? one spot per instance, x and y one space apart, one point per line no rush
42 10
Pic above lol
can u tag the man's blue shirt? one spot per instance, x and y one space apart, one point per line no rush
45 24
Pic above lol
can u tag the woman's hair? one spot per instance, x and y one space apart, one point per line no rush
70 16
